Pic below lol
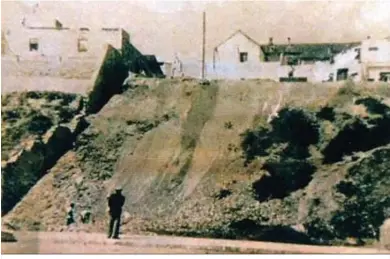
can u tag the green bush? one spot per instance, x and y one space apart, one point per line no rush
367 198
39 124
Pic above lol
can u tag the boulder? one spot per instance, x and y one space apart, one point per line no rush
385 234
126 216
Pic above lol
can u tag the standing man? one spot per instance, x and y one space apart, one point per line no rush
115 204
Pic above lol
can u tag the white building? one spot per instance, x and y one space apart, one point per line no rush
369 61
240 56
375 57
39 34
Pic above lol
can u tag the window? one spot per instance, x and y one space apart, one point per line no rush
33 45
243 57
292 60
110 29
342 74
357 50
372 48
82 45
384 76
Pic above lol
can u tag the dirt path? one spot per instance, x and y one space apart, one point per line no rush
96 243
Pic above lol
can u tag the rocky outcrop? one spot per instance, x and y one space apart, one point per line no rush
23 170
385 234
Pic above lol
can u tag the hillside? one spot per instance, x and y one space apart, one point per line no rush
210 160
37 129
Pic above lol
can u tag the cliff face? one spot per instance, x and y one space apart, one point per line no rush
229 159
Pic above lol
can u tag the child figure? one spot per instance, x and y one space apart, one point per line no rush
70 215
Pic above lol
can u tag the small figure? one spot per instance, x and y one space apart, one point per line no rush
177 68
115 204
85 216
129 78
70 215
291 73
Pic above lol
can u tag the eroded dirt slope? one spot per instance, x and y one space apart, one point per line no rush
244 159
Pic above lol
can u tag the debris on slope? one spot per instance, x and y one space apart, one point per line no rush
7 237
35 135
174 146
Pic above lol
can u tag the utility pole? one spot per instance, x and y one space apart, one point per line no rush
204 45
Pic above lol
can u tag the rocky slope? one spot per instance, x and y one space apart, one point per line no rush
37 129
245 159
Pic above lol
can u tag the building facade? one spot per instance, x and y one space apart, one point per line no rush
52 39
369 61
240 56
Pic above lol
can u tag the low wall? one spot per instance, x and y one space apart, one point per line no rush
98 78
40 83
71 75
73 68
316 72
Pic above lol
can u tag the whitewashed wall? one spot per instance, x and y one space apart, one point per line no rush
60 42
228 52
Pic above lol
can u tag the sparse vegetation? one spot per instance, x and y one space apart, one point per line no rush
187 171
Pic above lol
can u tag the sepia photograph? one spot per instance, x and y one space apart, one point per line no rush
195 127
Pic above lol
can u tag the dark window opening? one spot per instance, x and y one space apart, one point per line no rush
84 29
243 57
342 74
110 29
292 60
384 76
34 45
358 54
373 49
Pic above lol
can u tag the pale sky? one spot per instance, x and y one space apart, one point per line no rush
166 27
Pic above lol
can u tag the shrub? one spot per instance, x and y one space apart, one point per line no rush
295 126
39 124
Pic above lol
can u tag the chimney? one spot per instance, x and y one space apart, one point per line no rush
270 41
289 41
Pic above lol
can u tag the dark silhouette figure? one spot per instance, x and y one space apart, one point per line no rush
115 204
70 215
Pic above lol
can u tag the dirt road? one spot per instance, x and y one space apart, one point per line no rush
96 243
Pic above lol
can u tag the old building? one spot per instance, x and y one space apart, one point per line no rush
40 35
375 57
240 56
369 61
239 49
44 53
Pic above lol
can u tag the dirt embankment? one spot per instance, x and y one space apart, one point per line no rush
37 129
198 159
